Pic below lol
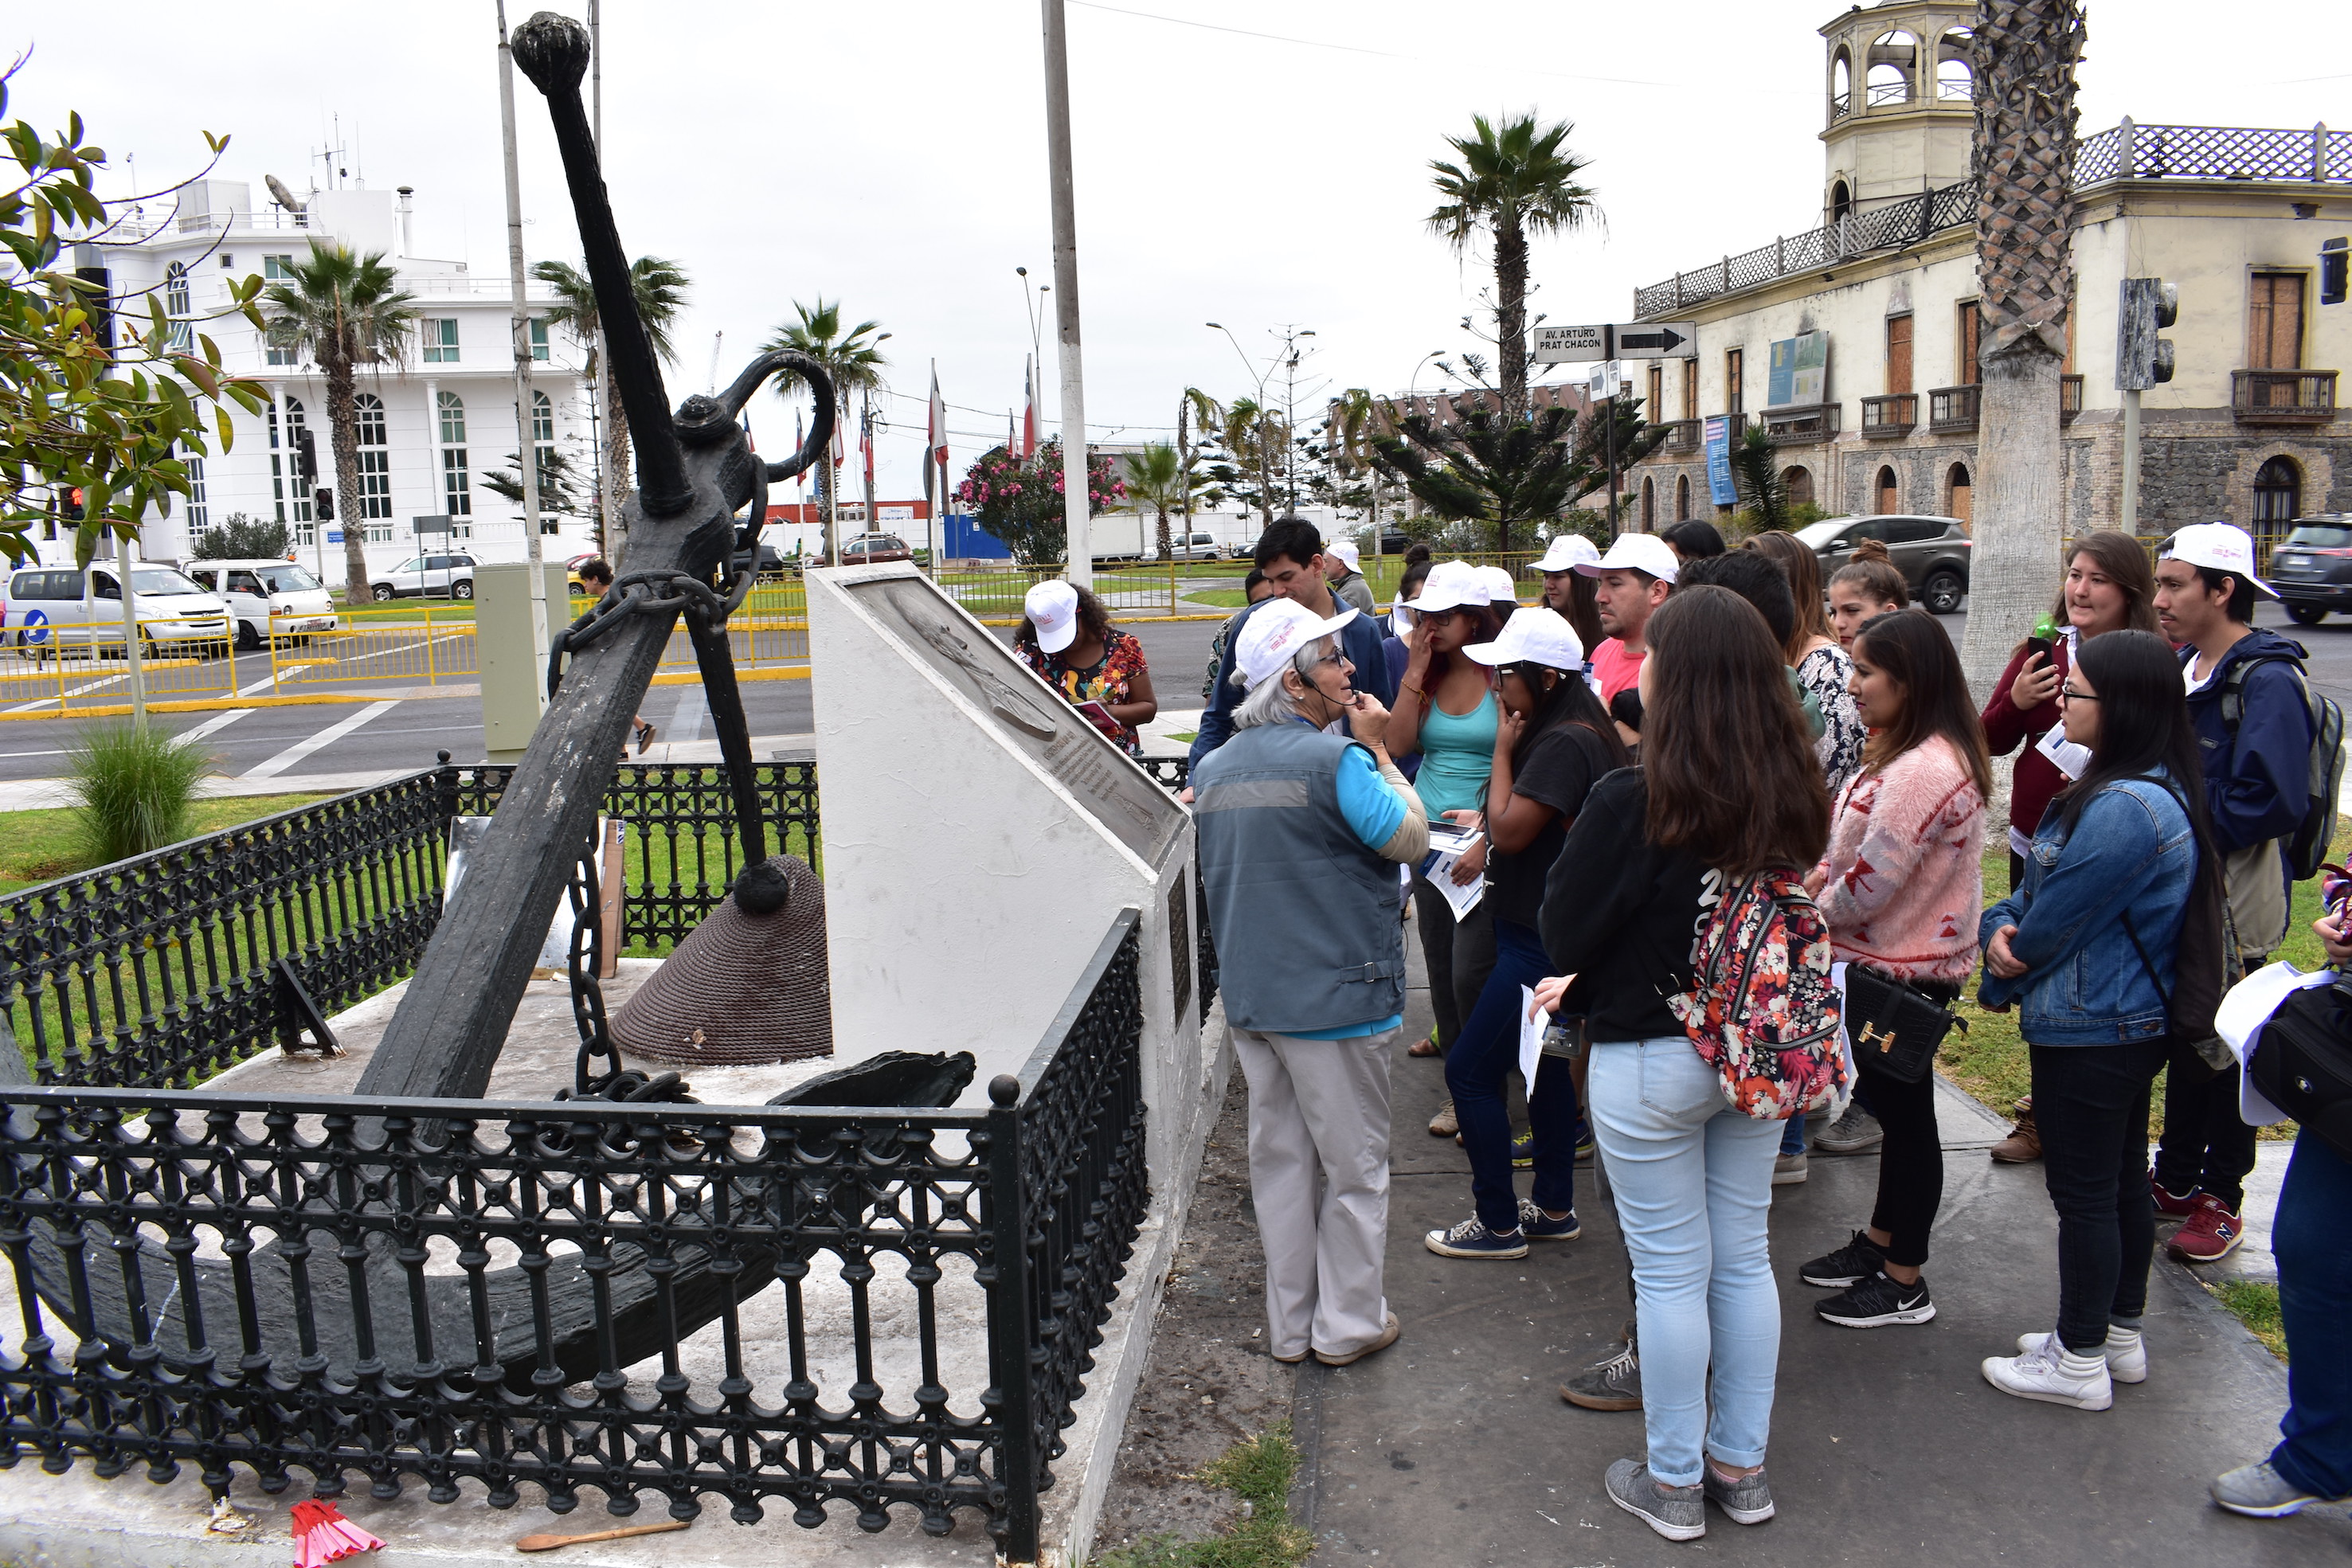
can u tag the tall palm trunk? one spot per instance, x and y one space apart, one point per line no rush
2026 52
1511 318
618 476
343 435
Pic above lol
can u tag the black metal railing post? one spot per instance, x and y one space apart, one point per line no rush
1012 1313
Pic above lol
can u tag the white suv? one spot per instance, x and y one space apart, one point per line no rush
267 597
435 575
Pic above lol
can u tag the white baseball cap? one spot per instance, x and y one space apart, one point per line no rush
1346 550
1638 552
2224 547
1450 585
1534 637
1501 589
1568 552
1052 607
1275 633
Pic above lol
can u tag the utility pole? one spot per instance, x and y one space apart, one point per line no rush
1077 509
527 451
130 635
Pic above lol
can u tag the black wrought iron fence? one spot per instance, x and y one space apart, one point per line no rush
883 1308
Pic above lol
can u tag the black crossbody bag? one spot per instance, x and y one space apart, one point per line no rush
1896 1030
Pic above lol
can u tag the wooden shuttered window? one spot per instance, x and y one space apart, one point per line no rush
2274 322
1735 390
1898 354
1970 334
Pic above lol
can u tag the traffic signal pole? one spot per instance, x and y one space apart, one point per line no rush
2131 460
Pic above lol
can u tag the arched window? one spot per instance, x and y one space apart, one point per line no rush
2278 498
1798 481
1840 201
1682 498
177 302
1892 60
1956 78
456 482
1649 505
1956 494
376 470
1840 85
286 488
543 419
1890 493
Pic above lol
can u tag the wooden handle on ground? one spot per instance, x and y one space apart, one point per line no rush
549 1543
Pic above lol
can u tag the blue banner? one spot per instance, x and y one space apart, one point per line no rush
1717 434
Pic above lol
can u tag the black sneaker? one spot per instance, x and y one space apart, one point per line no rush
1851 1264
1878 1301
1614 1384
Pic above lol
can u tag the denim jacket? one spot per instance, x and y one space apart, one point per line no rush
2134 851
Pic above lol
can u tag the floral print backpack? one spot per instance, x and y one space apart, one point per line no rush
1762 1008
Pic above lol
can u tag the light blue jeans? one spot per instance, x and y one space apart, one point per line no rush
1692 1182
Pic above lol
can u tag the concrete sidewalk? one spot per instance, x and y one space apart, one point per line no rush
1456 1447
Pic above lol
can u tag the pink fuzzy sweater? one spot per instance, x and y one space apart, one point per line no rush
1906 867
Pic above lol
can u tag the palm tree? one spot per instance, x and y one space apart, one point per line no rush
1196 410
341 311
852 358
1355 418
2024 159
1251 436
1157 481
1756 474
1515 180
659 288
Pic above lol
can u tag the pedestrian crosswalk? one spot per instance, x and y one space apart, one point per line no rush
325 737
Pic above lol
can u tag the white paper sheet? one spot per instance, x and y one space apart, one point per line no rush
2063 754
1531 1033
1446 849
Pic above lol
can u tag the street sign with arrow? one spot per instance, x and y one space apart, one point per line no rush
1623 341
1656 340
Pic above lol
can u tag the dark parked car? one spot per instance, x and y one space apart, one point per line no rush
772 561
1932 553
2312 567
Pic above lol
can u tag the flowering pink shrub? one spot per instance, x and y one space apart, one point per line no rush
1021 503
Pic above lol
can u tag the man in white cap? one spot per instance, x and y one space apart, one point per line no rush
1340 560
1300 833
1629 584
2252 712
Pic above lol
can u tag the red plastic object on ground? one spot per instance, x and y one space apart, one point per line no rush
321 1534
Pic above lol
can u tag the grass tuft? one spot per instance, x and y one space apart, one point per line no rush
133 789
2255 1303
1258 1471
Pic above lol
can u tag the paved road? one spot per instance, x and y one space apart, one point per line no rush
291 743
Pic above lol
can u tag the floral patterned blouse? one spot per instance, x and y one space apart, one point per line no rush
1110 680
1823 672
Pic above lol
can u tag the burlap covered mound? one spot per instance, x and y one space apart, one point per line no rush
749 985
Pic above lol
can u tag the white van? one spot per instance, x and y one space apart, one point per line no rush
268 598
59 607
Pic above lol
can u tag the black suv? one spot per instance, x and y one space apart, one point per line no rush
2312 567
1932 553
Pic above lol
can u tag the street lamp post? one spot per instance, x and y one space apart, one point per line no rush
1265 474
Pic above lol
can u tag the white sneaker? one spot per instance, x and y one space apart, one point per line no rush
2125 1353
2050 1373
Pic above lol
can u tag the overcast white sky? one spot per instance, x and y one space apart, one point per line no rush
891 153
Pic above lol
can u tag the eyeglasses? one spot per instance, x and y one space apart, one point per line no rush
2068 694
1438 617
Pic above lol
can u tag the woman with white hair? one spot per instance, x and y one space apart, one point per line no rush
1300 833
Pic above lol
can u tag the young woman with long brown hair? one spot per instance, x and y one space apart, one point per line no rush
1902 886
1728 786
1823 667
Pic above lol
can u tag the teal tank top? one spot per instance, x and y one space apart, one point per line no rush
1457 756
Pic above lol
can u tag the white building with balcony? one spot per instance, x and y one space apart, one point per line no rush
431 427
1855 343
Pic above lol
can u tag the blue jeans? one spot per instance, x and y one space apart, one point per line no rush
1477 1074
2311 1237
1693 1181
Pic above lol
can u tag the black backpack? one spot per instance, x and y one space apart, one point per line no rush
2303 1062
2307 847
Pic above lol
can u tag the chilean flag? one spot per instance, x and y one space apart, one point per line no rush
1029 413
800 439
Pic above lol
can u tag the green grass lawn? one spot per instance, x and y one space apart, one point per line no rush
43 845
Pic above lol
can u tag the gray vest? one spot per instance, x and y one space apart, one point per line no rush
1304 914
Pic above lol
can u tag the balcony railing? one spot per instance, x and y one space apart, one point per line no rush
1805 426
2070 398
2128 151
1889 415
2282 397
1682 439
1952 411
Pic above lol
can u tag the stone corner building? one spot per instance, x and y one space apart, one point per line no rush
1855 343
